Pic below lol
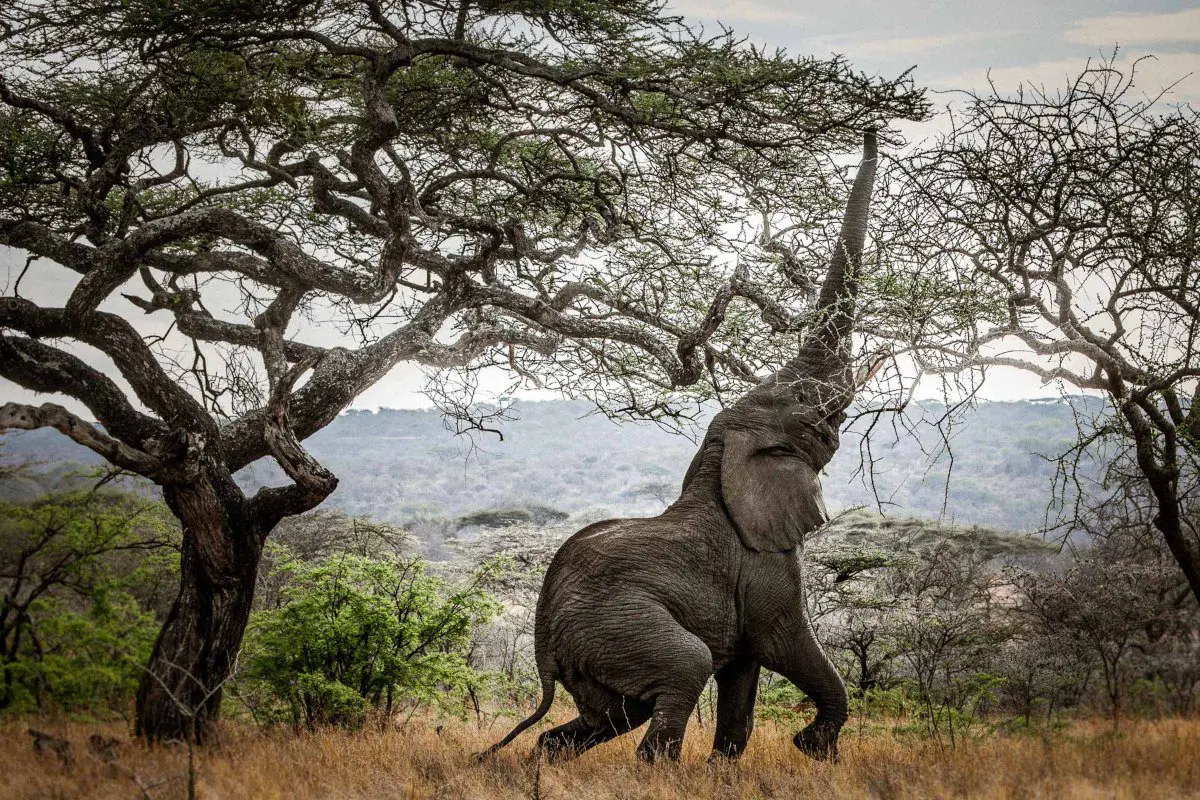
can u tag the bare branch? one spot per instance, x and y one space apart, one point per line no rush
48 415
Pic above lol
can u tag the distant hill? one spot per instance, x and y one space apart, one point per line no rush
400 465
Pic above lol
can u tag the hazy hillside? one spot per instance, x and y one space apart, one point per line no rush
397 465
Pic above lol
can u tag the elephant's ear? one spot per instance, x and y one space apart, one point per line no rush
774 498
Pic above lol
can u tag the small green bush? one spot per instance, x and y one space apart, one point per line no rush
84 661
356 634
876 703
780 700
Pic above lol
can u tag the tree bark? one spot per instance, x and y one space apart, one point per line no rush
180 693
1162 476
1170 524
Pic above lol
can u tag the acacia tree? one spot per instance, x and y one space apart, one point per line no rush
1117 604
1072 221
310 192
890 591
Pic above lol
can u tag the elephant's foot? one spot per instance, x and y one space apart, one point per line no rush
818 742
726 751
664 749
570 740
556 752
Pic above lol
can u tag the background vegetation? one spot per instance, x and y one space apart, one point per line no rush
944 625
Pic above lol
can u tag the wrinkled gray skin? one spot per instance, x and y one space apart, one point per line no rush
636 614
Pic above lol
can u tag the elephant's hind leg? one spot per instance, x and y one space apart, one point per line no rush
685 663
637 649
580 734
737 686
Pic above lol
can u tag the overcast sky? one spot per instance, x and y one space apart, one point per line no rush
953 44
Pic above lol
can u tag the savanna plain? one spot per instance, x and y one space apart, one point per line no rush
432 759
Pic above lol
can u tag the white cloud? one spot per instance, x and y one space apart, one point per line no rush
731 10
1137 28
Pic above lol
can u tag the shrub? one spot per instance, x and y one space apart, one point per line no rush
355 634
82 661
501 518
780 700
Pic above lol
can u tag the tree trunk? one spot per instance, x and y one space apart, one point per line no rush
1162 476
1170 524
867 680
180 692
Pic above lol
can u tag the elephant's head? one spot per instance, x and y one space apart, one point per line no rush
765 454
766 451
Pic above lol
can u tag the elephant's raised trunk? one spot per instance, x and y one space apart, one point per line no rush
836 305
820 375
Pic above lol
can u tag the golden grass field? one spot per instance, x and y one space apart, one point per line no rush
1145 759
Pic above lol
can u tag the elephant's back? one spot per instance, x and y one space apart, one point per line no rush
590 557
618 569
623 552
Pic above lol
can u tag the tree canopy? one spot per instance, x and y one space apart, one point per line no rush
1071 218
523 183
260 209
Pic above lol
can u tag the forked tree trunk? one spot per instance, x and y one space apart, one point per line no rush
180 692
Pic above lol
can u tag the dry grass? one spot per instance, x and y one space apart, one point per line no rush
1159 759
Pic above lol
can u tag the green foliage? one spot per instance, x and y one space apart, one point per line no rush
29 152
90 659
780 700
891 703
356 633
81 577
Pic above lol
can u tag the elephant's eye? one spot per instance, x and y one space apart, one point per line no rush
781 450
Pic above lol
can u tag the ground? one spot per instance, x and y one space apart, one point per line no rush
1143 759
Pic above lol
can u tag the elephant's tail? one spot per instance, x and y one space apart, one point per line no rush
542 709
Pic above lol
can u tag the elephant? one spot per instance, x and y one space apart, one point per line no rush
635 615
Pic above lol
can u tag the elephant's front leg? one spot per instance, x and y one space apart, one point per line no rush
796 655
737 687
